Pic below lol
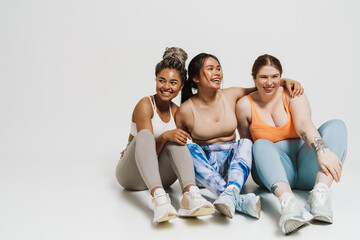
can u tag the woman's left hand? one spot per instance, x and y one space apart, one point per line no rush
294 87
330 164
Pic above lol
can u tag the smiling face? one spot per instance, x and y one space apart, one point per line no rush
267 80
168 84
210 74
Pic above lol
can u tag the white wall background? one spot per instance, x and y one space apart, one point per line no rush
72 71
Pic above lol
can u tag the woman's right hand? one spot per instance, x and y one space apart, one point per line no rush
177 135
330 164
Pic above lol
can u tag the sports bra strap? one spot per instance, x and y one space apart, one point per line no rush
152 104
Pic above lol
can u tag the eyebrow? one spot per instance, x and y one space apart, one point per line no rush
173 79
269 74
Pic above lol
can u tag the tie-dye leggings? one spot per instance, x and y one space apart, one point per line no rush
218 165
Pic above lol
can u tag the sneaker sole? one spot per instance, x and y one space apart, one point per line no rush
197 212
224 209
166 217
293 224
323 219
257 208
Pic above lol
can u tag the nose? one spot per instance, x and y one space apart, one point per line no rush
167 85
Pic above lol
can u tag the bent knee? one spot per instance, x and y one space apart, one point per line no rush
145 132
131 184
261 143
334 128
337 123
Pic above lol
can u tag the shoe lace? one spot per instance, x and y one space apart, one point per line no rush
285 202
161 200
320 194
195 195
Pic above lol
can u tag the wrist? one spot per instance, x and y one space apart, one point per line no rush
163 137
282 82
322 152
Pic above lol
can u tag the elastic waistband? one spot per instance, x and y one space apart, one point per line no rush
219 146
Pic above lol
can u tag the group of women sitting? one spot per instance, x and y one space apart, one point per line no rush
196 143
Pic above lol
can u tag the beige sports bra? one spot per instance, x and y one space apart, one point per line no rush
204 130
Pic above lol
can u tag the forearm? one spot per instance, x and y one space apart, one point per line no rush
249 90
160 143
283 82
311 136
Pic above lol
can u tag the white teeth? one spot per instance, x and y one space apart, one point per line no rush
166 93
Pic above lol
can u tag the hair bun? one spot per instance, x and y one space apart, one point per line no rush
177 53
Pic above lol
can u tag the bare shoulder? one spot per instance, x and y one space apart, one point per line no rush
184 118
243 104
184 109
295 100
143 107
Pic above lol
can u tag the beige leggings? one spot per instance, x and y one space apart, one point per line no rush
140 168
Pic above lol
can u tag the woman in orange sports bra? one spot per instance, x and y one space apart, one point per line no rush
221 164
289 152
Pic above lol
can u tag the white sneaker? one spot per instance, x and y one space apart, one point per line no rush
249 204
320 204
163 210
194 205
293 215
227 201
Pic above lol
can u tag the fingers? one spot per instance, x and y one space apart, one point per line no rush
324 169
299 90
335 173
181 142
289 88
185 133
338 170
296 90
182 137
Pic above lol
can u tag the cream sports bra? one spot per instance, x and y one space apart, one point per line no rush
204 130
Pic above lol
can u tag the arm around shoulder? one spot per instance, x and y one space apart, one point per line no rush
239 92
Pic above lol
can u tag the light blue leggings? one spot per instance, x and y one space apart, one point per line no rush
219 165
294 162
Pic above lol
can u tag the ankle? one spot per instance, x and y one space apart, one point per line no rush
286 195
232 186
187 188
157 191
322 185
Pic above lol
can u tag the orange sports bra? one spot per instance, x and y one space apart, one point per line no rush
261 130
203 130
